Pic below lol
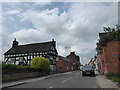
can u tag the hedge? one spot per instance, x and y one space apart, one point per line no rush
10 68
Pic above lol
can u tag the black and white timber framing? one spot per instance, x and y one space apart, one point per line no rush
24 53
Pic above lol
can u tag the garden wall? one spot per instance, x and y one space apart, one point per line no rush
24 75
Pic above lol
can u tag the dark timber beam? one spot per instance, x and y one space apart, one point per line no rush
6 60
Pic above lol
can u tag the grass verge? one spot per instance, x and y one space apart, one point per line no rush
115 77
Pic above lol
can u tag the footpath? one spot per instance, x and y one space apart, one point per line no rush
106 83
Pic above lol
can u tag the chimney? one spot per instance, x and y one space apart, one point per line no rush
54 43
52 39
72 52
15 43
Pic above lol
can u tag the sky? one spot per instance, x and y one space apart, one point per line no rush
74 26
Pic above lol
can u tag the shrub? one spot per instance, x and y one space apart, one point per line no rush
41 63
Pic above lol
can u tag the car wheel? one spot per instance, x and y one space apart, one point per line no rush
83 74
93 73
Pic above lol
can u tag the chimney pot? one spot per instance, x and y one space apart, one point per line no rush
15 43
72 52
52 39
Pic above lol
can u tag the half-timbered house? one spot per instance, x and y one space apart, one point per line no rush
22 54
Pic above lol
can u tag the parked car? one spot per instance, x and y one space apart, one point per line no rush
88 70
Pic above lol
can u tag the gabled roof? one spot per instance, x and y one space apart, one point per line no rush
73 54
31 48
64 59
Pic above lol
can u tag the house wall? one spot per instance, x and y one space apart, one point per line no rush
100 63
63 66
112 53
74 59
110 58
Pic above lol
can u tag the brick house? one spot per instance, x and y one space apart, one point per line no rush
109 57
100 63
75 59
63 64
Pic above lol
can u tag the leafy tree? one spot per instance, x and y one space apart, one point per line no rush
111 34
40 62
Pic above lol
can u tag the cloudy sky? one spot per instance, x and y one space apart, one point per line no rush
74 25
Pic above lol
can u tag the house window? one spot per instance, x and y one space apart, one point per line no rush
57 59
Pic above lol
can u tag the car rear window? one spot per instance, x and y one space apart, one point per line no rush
87 67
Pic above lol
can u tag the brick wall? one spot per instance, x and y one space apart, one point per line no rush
75 59
110 58
112 52
100 63
64 66
21 76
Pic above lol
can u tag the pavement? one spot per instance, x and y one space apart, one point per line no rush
105 83
102 81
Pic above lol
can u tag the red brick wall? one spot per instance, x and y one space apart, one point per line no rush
111 52
119 57
63 66
119 65
110 57
100 63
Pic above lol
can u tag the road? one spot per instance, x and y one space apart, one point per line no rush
71 80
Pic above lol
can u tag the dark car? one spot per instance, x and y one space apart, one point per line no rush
88 70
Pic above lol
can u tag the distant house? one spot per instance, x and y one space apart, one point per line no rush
22 54
63 64
75 59
92 63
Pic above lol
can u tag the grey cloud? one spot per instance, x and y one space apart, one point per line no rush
47 21
86 21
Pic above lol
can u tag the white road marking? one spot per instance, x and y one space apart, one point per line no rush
67 79
49 88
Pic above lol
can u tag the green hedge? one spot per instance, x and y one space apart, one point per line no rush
16 67
38 64
10 68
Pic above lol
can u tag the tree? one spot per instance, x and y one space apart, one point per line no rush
40 62
111 34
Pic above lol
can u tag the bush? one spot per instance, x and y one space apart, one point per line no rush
41 63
